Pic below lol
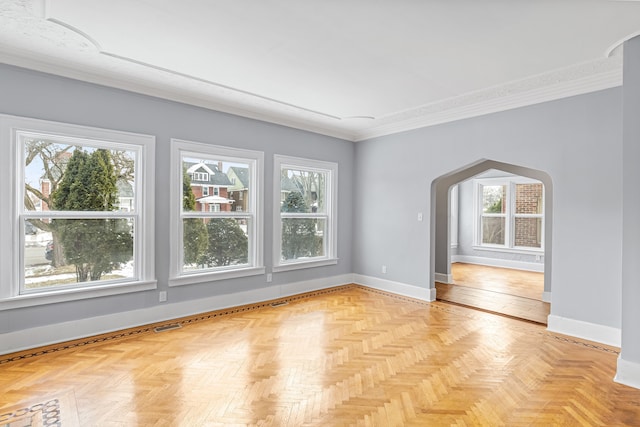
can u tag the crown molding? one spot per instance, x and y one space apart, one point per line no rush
576 80
54 47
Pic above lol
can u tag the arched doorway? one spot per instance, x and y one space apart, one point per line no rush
441 248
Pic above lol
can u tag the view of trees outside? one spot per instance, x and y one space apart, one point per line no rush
66 177
494 205
303 213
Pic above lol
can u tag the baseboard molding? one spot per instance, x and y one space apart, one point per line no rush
496 262
628 373
546 296
82 328
443 278
425 294
585 330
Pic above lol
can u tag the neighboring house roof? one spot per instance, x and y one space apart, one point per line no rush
242 174
125 189
290 185
216 177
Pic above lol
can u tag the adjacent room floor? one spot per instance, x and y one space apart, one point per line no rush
346 356
515 293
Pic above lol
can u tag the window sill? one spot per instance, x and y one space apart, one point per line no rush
210 276
304 264
65 295
509 250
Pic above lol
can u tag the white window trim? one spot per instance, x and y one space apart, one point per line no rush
178 149
453 216
11 245
509 216
331 242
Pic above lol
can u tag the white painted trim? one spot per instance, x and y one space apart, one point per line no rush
60 332
577 79
412 291
497 262
628 373
443 278
546 296
585 330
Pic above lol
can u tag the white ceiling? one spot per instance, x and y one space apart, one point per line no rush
354 69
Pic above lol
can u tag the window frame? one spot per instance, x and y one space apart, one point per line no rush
331 241
255 159
509 215
12 131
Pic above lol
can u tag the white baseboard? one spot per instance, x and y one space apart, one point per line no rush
60 332
585 330
425 294
628 373
546 296
496 262
443 278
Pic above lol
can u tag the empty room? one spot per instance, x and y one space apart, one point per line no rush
254 213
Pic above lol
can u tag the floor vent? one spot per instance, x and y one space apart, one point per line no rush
279 303
167 327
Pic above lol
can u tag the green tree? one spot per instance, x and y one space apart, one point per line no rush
228 244
195 236
54 157
94 246
298 234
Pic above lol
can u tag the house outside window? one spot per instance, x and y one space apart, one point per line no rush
93 226
216 241
305 222
510 213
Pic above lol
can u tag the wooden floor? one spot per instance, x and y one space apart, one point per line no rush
526 284
505 291
348 356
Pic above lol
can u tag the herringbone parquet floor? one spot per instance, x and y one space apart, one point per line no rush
349 356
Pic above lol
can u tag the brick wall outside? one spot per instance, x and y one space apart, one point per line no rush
528 231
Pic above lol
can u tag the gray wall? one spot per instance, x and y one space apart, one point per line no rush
576 142
31 94
631 206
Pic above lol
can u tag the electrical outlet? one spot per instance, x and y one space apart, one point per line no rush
269 277
419 216
384 269
162 296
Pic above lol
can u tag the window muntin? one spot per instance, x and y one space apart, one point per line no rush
78 197
305 221
511 213
217 240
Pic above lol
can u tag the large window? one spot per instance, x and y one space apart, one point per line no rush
510 213
214 239
305 218
80 223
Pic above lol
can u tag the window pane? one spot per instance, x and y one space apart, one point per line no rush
493 230
494 198
529 199
302 238
213 185
303 191
528 232
60 176
65 252
214 242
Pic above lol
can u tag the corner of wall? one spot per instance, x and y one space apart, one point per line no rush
628 373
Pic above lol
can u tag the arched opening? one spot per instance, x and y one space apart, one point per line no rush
487 174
